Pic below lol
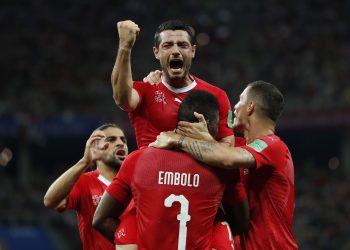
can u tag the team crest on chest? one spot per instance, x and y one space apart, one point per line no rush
96 199
159 97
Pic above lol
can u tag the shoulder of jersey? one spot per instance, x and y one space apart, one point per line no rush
209 85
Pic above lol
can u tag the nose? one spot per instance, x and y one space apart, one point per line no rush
175 50
120 142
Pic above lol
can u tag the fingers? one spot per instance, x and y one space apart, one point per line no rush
185 124
154 77
200 117
128 25
128 31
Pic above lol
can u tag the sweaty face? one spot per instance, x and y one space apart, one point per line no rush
241 112
175 54
117 147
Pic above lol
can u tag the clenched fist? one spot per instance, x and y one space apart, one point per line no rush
128 30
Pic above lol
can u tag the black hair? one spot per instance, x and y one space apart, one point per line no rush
269 99
173 25
108 125
202 102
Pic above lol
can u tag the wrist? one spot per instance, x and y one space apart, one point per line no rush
179 142
125 48
84 163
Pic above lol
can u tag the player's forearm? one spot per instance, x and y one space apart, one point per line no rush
228 140
122 79
212 153
107 228
61 187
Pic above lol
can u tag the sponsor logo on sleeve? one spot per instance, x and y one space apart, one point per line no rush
258 145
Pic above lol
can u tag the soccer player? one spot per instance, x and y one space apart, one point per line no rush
176 197
80 190
153 108
265 162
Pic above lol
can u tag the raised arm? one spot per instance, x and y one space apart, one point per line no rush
124 95
57 195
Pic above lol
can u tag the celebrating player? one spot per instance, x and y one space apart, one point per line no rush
266 165
176 197
153 108
80 190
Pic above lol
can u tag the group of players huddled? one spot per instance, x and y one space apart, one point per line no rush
191 184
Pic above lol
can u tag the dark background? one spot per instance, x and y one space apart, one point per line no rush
56 58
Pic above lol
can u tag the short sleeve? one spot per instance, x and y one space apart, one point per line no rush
265 153
120 188
74 197
141 88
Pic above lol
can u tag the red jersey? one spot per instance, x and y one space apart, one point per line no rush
84 198
176 197
159 104
270 189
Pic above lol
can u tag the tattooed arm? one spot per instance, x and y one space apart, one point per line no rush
209 152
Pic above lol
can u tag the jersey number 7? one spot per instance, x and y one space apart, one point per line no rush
182 217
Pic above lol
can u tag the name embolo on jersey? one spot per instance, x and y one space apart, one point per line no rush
176 198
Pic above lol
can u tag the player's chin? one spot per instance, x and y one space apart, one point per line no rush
120 158
176 74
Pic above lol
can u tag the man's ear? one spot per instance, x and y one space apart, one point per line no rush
251 107
155 52
194 50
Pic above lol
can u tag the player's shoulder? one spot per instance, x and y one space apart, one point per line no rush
90 174
87 177
201 84
143 85
134 155
270 142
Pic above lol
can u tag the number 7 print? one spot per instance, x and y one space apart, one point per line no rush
182 217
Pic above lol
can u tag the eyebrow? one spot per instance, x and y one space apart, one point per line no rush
115 137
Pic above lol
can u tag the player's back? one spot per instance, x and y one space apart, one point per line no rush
176 199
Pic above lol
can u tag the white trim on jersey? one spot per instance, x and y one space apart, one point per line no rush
104 180
180 90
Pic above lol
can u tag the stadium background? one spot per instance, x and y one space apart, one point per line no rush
55 62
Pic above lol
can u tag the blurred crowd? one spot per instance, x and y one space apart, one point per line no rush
57 56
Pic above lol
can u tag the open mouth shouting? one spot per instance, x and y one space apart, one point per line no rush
176 65
121 154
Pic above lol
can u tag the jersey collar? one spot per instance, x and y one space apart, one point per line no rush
179 90
104 180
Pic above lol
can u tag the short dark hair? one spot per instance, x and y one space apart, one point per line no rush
269 99
108 125
202 102
173 25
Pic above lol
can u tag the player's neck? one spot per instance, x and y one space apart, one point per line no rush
106 171
178 82
258 128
